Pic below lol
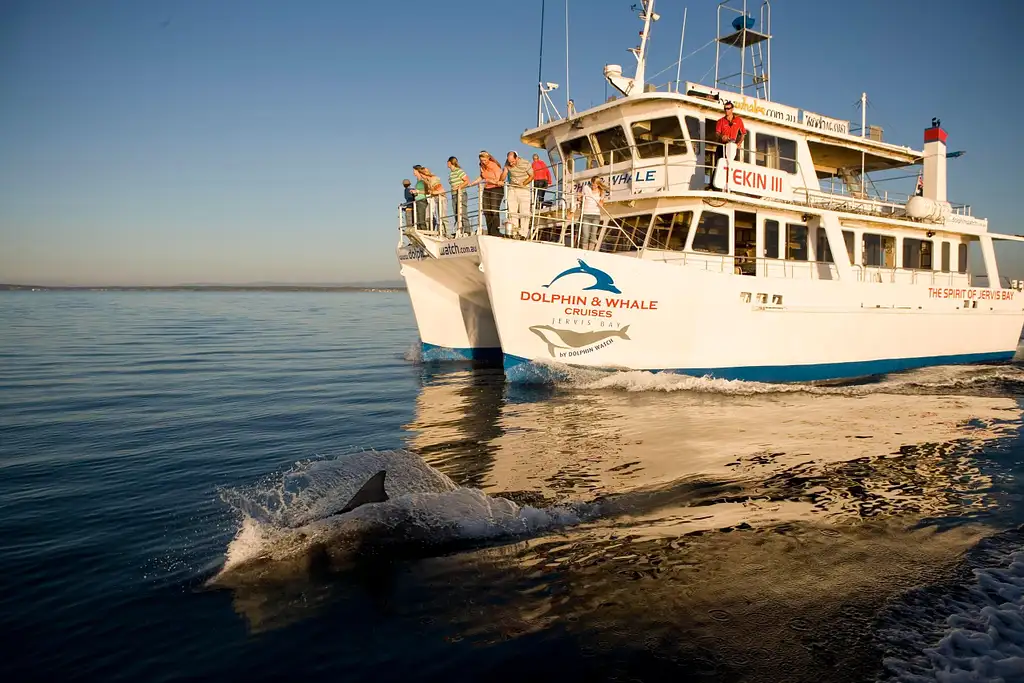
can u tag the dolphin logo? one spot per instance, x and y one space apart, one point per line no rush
602 280
568 339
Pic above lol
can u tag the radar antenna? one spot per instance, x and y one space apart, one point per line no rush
613 72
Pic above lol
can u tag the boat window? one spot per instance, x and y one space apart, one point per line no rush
556 166
578 154
796 242
824 250
658 137
879 250
776 152
612 143
961 266
771 239
848 239
629 236
670 230
693 129
712 233
917 254
945 257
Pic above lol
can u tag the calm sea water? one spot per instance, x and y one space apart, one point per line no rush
615 527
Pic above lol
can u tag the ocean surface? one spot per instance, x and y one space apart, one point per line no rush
170 463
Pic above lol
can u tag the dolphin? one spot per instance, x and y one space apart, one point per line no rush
303 532
568 339
371 492
602 280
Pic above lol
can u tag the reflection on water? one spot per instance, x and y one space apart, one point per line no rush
744 535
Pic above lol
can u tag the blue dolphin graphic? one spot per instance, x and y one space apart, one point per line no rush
603 281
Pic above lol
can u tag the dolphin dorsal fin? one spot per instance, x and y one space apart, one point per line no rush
371 492
583 264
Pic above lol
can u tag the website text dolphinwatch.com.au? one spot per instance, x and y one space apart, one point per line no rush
453 249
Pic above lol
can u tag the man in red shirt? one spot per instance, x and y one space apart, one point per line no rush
729 128
541 179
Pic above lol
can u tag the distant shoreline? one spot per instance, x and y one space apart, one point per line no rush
200 288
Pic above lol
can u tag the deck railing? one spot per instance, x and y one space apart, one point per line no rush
551 215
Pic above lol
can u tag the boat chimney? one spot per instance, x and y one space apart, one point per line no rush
934 172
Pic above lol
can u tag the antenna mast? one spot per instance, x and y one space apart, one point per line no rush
631 87
540 69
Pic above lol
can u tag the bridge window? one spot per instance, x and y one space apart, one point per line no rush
771 239
670 230
776 152
629 236
658 137
848 239
961 258
917 254
824 250
693 129
712 235
612 143
578 154
945 257
879 251
796 242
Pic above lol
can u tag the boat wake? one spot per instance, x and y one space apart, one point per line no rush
292 524
976 379
971 629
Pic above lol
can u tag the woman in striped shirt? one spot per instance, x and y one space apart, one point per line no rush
458 180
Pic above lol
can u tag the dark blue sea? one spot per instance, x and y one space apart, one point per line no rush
170 466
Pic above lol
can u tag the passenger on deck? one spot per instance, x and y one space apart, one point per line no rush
490 175
541 180
590 199
729 128
438 200
458 181
520 200
420 205
410 197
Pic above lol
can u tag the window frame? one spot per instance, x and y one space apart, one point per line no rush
785 164
604 156
664 151
727 234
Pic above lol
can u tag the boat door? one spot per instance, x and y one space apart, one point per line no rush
745 243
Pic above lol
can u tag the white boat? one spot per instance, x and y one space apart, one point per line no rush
778 261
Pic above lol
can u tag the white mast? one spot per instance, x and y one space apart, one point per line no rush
613 72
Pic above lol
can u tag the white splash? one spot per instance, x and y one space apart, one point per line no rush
283 517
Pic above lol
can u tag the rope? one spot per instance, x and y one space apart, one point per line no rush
683 59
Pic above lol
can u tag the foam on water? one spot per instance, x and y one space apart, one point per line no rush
968 632
283 517
414 353
926 380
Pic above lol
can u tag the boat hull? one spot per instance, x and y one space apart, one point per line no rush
449 301
569 307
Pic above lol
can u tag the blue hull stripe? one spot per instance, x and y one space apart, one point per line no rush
522 370
432 352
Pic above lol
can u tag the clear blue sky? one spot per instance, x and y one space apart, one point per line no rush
171 141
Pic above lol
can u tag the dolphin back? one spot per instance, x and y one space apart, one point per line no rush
371 492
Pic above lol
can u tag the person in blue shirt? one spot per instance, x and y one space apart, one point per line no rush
410 197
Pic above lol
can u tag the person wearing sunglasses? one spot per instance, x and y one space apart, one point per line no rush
729 128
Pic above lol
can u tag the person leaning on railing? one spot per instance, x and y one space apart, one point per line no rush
407 204
728 129
490 176
420 193
436 198
520 200
458 181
